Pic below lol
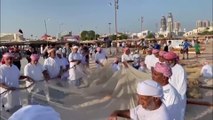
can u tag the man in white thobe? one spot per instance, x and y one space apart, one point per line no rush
115 65
151 59
35 112
160 57
64 63
35 71
161 74
52 65
178 79
126 57
150 105
9 79
100 57
75 71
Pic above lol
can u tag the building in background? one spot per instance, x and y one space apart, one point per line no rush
202 23
201 26
206 23
141 35
199 23
177 26
163 24
169 28
11 37
170 23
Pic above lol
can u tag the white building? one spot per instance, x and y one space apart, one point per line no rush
11 37
140 35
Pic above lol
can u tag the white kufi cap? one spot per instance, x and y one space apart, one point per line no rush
149 88
35 112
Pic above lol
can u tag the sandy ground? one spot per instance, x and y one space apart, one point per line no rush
193 112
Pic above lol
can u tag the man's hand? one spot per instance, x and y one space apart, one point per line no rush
125 64
113 116
97 62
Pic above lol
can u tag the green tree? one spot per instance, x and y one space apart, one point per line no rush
123 36
161 36
150 35
112 37
84 35
97 36
91 35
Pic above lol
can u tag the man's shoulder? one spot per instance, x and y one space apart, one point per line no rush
178 67
28 65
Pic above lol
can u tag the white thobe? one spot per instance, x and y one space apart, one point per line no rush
126 57
142 69
136 58
139 113
116 67
75 71
179 82
150 61
206 71
53 66
36 73
9 75
172 100
100 57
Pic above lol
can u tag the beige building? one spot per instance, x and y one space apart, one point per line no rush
11 37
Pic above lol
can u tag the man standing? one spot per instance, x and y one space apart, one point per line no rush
66 50
35 71
17 58
148 59
75 71
186 46
161 74
197 49
178 79
156 45
52 65
170 46
150 105
100 57
160 57
126 58
9 79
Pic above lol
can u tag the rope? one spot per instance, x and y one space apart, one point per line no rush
20 88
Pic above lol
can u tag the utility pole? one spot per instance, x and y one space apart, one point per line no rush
116 26
116 12
141 23
45 25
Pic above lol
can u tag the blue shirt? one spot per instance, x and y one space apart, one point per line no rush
156 46
186 45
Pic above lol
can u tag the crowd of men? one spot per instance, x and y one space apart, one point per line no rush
163 97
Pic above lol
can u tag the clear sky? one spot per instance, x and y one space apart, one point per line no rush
77 15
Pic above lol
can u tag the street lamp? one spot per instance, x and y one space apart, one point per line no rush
141 23
109 28
45 25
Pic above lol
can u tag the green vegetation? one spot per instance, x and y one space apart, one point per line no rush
161 36
150 35
89 35
121 36
206 33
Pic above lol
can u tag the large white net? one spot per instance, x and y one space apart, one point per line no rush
103 92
